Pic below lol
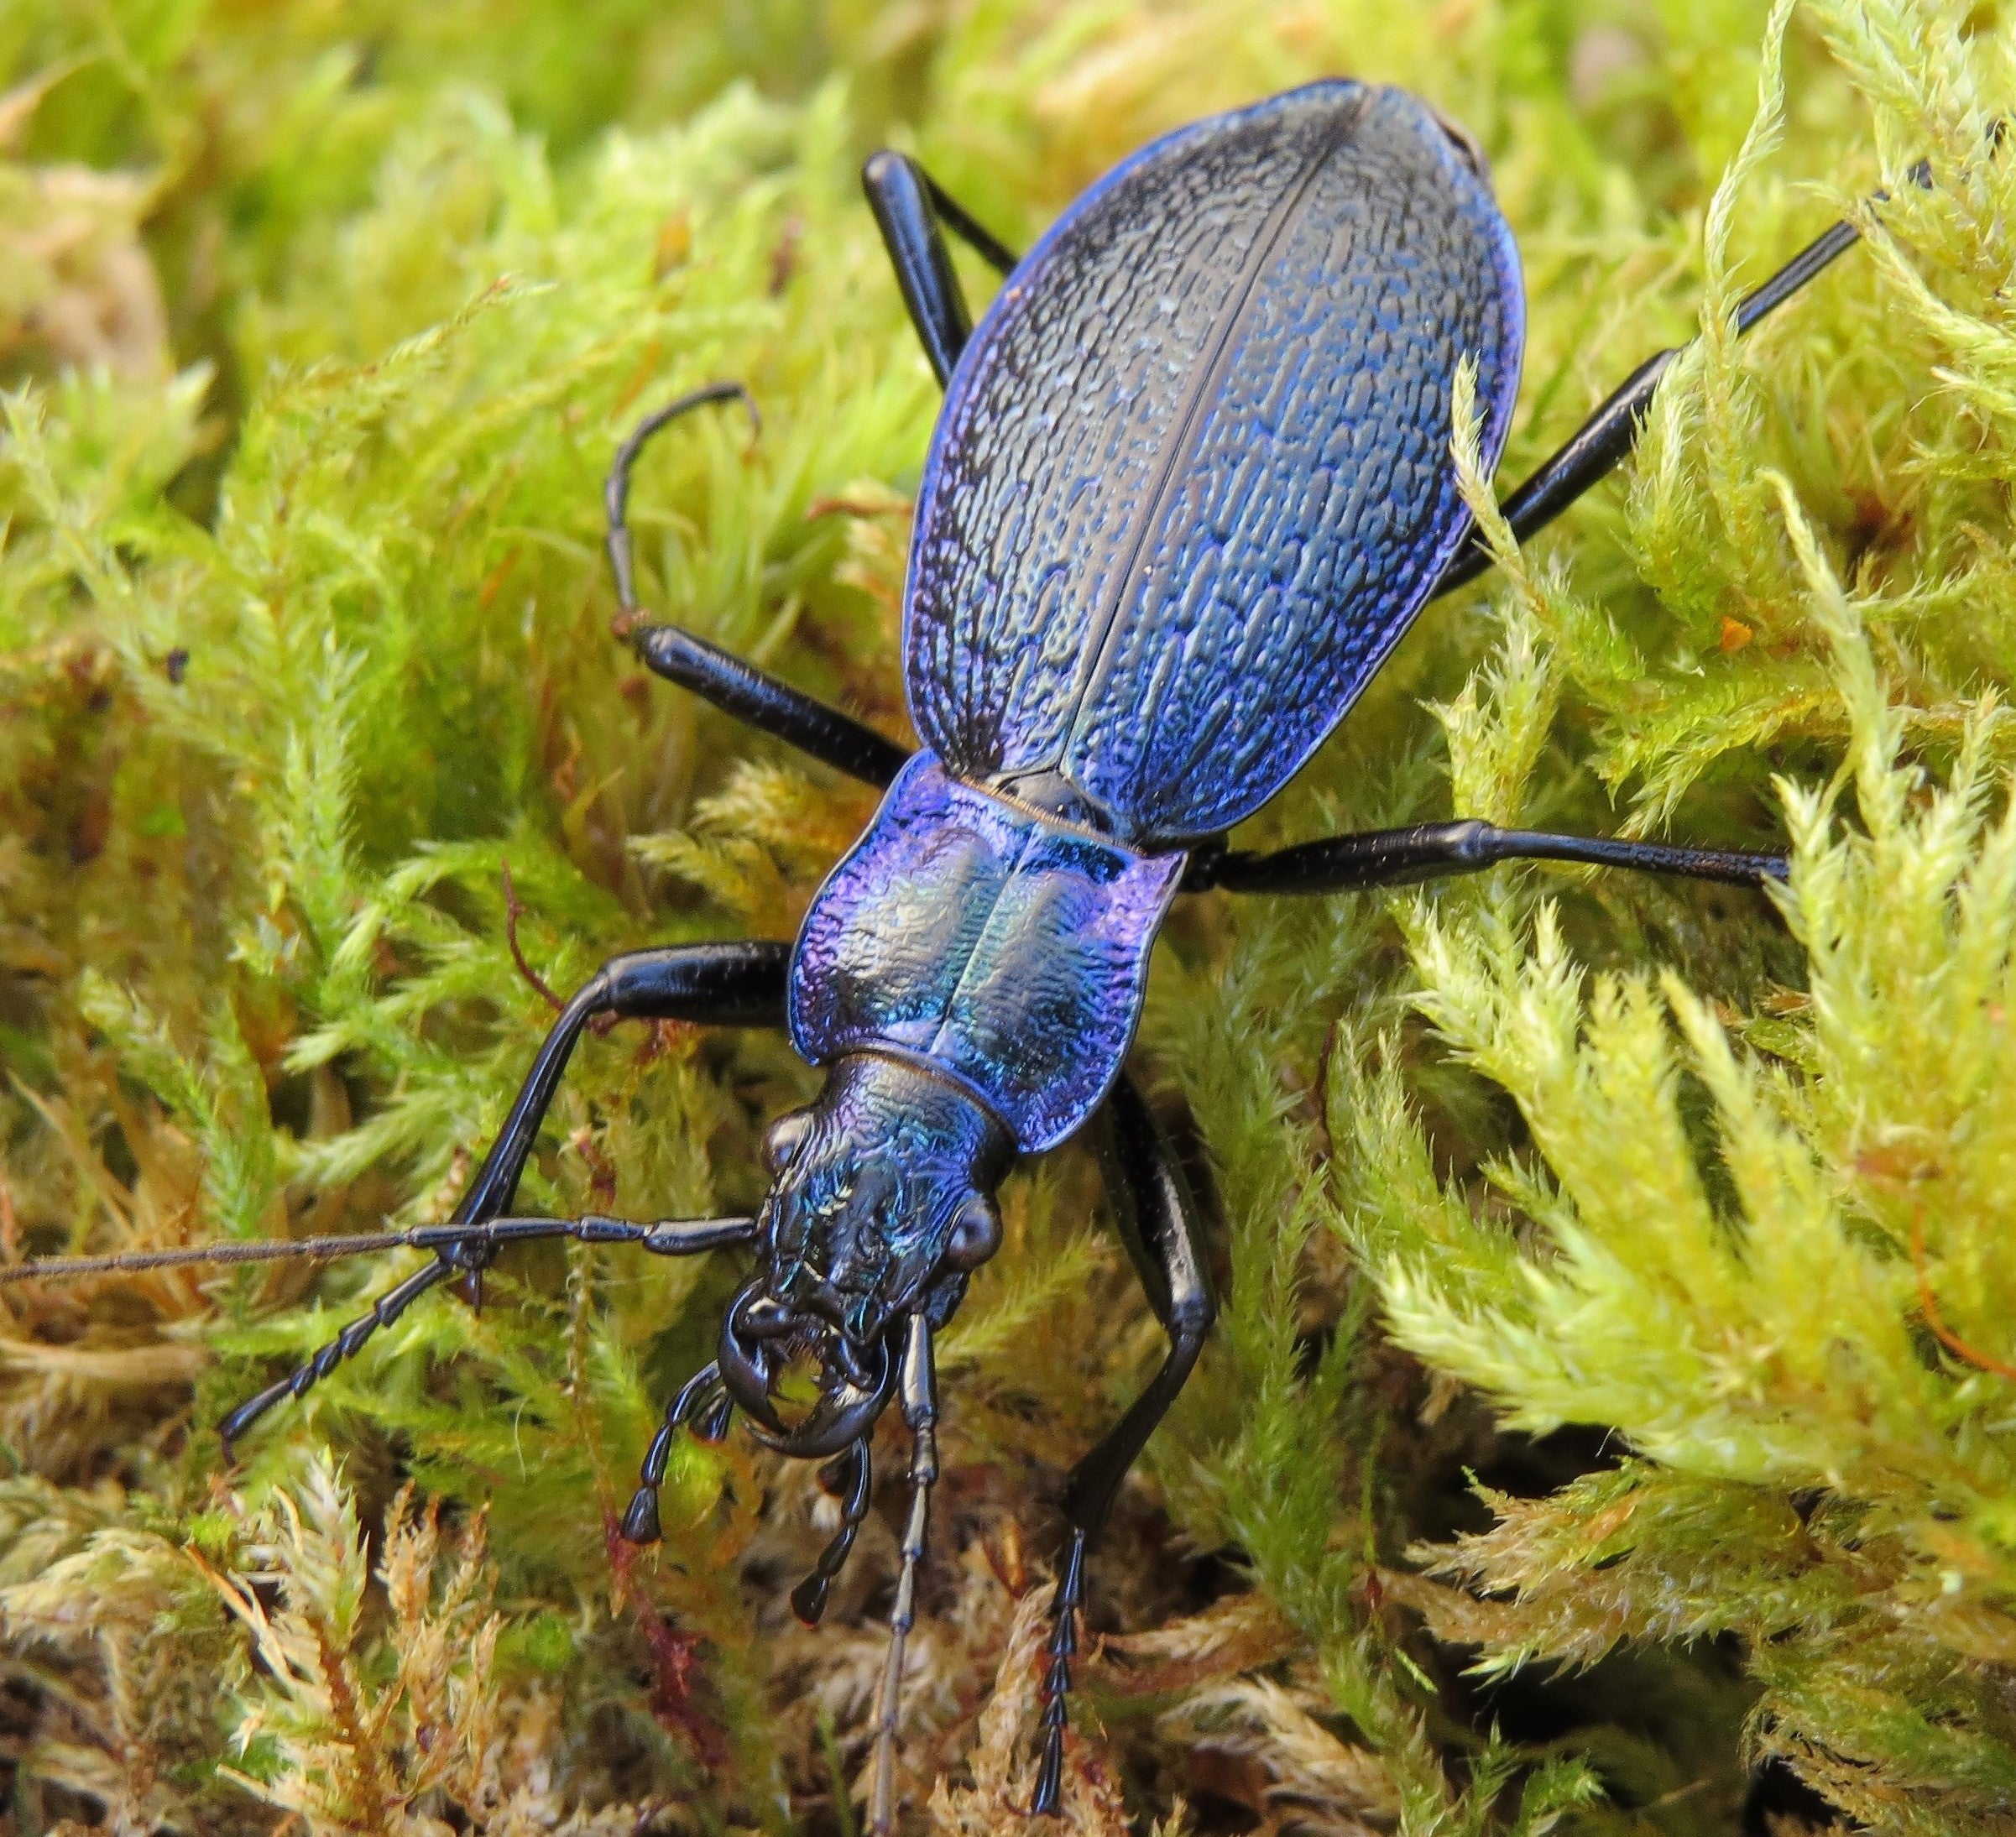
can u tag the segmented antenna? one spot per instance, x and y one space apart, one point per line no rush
667 1238
616 493
920 1393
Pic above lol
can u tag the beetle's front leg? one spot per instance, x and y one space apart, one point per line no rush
1158 1223
731 984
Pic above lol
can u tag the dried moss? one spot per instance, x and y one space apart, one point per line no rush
1672 1222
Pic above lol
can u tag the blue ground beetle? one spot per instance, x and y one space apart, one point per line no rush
1191 483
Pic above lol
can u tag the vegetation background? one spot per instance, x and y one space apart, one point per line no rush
1611 1424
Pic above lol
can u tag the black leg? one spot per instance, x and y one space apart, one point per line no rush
912 210
1158 1223
1595 448
1396 857
381 1313
456 1247
733 686
739 985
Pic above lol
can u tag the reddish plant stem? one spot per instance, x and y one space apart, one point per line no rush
1929 1304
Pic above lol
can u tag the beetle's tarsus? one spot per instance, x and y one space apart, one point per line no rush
1049 1777
386 1309
1057 1677
616 491
719 676
1599 446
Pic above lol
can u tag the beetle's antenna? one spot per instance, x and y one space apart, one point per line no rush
616 493
920 1393
669 1237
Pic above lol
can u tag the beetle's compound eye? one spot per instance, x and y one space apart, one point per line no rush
976 1234
784 1139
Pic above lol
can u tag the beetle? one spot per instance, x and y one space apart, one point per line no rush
1190 485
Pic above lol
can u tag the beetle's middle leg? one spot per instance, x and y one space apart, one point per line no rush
731 683
1426 852
731 984
1158 1223
913 211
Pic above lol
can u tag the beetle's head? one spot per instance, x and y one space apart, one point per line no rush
881 1207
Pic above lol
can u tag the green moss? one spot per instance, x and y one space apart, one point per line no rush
1616 1271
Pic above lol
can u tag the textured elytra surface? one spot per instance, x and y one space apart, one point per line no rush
1002 948
1191 480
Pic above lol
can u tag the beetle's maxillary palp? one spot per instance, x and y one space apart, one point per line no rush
711 1424
701 1399
846 1478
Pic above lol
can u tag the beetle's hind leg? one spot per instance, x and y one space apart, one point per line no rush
913 211
1598 445
1158 1223
732 684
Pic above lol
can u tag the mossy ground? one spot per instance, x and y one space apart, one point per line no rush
1614 1389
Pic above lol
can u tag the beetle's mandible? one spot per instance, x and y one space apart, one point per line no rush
1191 483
